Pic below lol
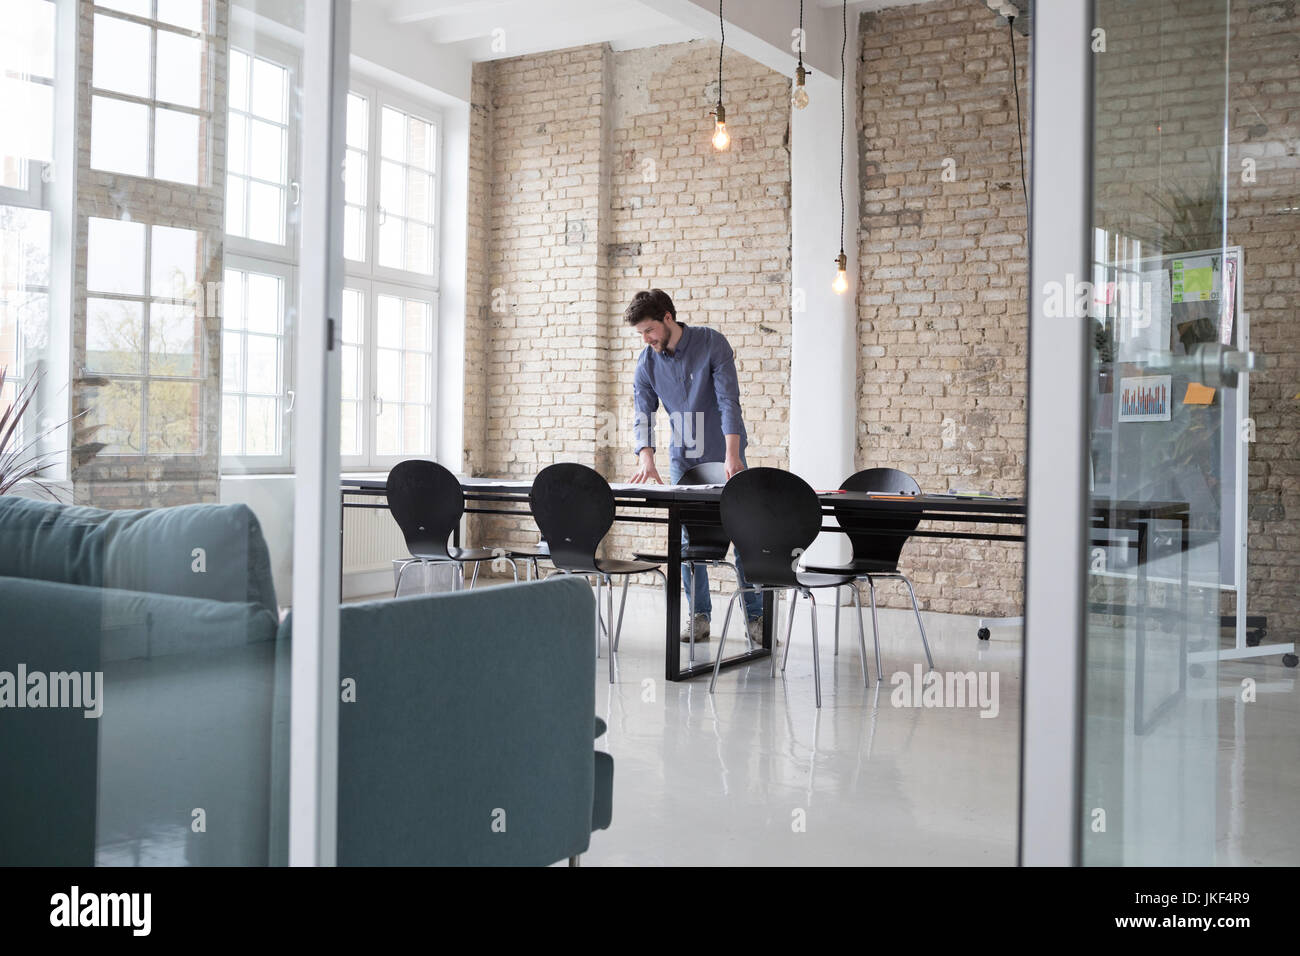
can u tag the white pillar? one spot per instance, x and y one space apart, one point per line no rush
824 348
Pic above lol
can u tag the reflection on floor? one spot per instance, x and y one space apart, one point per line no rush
756 775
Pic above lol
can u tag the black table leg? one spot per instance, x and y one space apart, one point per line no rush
672 647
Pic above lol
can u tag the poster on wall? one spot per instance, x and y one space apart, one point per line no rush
1143 399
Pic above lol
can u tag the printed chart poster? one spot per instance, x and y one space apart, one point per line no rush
1144 399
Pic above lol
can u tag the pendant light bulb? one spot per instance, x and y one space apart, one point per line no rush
799 98
721 138
841 283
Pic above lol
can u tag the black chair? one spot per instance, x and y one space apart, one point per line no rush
427 502
878 544
574 509
772 517
538 552
706 544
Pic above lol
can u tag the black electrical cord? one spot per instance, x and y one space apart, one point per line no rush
1015 85
800 51
723 27
844 10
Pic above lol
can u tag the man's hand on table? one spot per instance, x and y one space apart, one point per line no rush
646 472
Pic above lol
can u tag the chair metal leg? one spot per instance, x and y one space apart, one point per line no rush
921 624
837 622
610 640
575 860
690 611
401 571
875 626
598 624
717 662
817 666
533 562
474 578
862 637
789 629
622 602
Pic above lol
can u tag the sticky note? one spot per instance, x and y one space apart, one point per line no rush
1198 394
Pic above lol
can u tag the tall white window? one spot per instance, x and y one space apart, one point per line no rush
390 303
259 191
255 361
26 157
148 97
144 334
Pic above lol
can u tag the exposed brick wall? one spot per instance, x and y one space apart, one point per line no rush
942 315
156 480
598 188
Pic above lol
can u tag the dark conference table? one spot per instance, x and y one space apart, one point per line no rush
701 505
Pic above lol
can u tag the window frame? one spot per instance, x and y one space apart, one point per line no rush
387 98
243 463
203 112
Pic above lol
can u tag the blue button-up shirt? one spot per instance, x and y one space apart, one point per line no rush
698 388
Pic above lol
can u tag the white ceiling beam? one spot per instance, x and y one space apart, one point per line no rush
763 30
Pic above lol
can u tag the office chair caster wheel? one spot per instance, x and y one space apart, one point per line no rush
1253 638
983 634
1290 660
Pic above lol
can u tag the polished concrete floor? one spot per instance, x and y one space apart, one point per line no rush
755 774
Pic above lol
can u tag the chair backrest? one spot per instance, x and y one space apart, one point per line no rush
427 502
770 514
881 550
574 509
705 535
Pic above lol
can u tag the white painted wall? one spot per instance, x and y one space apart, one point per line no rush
823 362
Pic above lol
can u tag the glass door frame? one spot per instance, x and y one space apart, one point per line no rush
313 728
1057 492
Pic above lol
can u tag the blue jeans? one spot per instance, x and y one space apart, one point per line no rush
698 583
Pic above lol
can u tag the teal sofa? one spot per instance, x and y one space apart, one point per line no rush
177 609
470 738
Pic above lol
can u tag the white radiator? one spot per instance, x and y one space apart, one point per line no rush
371 539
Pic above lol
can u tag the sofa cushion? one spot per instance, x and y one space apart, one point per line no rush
215 552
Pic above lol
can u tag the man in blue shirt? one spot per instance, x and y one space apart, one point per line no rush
691 371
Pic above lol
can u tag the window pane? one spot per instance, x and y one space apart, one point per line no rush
119 136
389 315
115 256
392 134
174 257
358 120
118 408
24 250
390 243
237 145
174 417
230 444
416 330
392 188
353 312
265 213
182 13
235 224
232 300
388 375
414 437
388 428
351 361
114 336
121 56
415 383
27 40
139 7
174 340
266 155
26 126
231 362
179 62
176 147
350 429
419 195
269 88
419 143
263 365
354 177
419 239
237 92
261 426
354 234
264 303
